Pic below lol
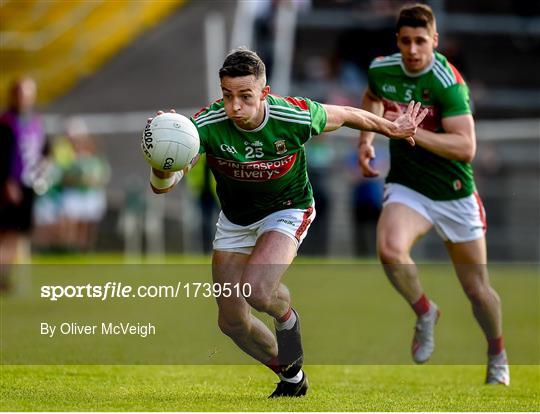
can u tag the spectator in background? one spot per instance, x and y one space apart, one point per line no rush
265 11
321 154
47 235
204 186
366 201
22 157
83 181
266 15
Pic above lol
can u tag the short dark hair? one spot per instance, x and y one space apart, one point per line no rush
242 62
417 15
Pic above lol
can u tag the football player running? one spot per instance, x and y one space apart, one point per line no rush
254 145
431 184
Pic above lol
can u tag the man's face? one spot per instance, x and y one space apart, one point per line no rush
416 46
23 95
244 100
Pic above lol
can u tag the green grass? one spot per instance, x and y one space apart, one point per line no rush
245 388
356 333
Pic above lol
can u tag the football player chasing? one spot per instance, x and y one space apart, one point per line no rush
431 184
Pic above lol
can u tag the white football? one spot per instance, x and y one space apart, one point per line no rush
170 142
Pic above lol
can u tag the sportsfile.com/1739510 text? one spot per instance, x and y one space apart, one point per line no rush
119 290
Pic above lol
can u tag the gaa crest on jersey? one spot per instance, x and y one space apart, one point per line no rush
281 148
425 95
389 88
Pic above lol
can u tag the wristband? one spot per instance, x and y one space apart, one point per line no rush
164 183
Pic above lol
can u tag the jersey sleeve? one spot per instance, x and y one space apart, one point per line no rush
318 117
455 100
305 117
372 80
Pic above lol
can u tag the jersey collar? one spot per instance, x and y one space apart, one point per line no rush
263 123
423 72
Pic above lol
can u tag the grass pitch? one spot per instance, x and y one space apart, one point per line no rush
245 388
353 326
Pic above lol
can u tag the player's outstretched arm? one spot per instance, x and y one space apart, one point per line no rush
403 127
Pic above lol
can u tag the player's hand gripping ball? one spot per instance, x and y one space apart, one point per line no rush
170 142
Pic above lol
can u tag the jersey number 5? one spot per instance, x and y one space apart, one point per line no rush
408 95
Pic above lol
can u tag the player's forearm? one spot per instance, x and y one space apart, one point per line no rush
162 182
452 146
371 104
339 116
366 121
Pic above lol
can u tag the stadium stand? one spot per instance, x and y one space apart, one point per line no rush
60 42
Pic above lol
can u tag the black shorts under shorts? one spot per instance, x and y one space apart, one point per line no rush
18 217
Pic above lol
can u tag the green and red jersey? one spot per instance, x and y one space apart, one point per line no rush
442 90
261 171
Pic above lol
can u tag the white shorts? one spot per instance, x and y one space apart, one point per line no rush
86 205
46 210
457 221
292 222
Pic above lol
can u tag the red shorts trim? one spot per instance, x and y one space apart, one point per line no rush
306 221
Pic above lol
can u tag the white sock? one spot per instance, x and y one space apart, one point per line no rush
432 309
499 359
288 324
295 380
